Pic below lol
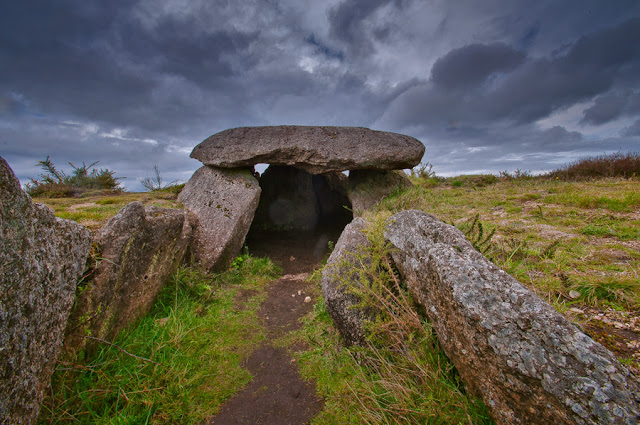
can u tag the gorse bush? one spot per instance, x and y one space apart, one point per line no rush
54 183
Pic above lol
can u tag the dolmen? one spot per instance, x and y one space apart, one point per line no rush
303 187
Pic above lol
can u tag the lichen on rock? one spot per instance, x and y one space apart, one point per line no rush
41 259
526 360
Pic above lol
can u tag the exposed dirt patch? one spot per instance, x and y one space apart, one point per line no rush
80 206
277 394
617 330
242 298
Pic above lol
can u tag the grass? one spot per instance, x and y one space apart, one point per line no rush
188 355
561 234
94 210
401 376
548 233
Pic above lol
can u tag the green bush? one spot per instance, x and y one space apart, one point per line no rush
53 183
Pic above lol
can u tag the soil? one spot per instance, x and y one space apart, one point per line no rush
618 331
277 394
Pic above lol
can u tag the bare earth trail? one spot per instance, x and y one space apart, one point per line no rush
277 394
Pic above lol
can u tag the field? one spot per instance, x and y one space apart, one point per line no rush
574 241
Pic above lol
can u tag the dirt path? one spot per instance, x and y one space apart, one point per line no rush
277 394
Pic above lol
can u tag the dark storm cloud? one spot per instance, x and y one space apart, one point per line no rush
484 85
323 48
471 65
610 106
633 130
348 23
526 89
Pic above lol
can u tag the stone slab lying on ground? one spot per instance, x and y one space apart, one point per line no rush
337 282
526 360
224 201
139 249
41 259
368 187
313 149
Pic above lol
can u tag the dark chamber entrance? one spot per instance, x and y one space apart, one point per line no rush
299 210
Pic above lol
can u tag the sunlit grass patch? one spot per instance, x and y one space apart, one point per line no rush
95 211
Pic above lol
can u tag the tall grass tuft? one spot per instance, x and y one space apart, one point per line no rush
401 376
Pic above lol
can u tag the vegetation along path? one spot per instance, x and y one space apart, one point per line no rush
277 393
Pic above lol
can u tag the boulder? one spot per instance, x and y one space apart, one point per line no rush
528 363
313 149
224 202
41 259
338 282
368 187
137 252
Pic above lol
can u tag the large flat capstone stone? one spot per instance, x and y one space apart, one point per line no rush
526 360
41 259
313 149
224 201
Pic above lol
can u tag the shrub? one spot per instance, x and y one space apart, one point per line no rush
54 183
155 183
613 165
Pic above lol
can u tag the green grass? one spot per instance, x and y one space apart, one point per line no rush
548 232
402 375
189 351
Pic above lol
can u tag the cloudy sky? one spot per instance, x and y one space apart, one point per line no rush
486 85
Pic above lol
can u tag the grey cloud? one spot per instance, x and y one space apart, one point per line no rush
471 65
633 130
91 80
559 134
611 106
347 21
526 93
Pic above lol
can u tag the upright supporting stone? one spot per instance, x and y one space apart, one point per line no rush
225 201
139 249
368 187
526 360
338 282
41 260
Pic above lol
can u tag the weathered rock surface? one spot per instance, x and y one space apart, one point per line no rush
224 202
313 149
337 280
138 250
41 259
529 364
293 199
368 187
